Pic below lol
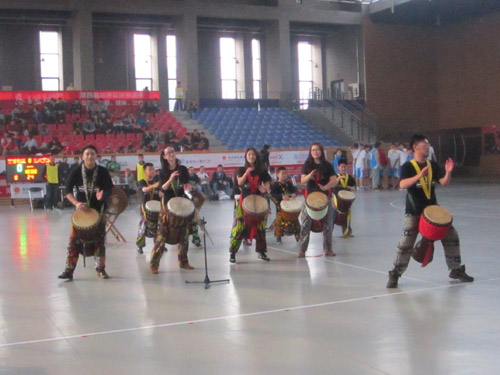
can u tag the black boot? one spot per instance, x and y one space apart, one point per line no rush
101 273
459 274
66 275
263 256
232 258
393 279
139 250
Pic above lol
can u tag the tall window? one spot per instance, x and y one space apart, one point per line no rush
171 70
256 69
50 60
143 62
305 73
228 67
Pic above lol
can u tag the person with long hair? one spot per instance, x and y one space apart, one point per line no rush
251 179
319 175
93 187
174 178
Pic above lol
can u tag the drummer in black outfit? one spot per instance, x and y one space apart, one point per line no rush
93 184
346 182
319 175
419 177
174 178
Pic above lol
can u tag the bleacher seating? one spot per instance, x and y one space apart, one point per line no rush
240 128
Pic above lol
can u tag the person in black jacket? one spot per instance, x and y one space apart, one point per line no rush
93 185
174 179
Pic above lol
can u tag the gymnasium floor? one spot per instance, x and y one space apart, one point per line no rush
288 316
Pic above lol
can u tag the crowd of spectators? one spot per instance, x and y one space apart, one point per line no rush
20 128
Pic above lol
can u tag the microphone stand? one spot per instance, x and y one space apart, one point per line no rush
207 280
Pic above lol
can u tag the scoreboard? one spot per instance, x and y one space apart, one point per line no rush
26 169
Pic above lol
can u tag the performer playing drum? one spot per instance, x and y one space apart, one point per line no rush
419 176
173 180
93 185
319 176
149 215
253 180
283 193
347 184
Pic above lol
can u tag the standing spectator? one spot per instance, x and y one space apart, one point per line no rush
37 116
204 182
52 173
103 107
264 157
139 168
432 154
220 181
360 166
76 163
63 170
131 185
114 169
394 161
335 161
375 167
179 98
354 152
383 164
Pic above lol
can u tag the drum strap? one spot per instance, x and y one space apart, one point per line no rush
426 181
343 179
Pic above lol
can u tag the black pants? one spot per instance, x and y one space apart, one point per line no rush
51 196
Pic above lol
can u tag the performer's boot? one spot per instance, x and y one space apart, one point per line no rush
66 275
232 257
263 256
459 274
184 263
393 279
101 273
139 250
330 253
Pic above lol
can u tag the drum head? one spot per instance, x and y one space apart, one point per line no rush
437 215
346 195
153 206
317 200
255 204
179 206
85 219
291 205
198 199
117 202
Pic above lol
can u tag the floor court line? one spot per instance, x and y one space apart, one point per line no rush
359 267
257 313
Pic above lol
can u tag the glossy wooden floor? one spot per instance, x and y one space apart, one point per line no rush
288 316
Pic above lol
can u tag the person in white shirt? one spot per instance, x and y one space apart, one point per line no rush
432 154
354 153
394 157
361 165
204 182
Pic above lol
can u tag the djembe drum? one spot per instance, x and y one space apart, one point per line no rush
316 208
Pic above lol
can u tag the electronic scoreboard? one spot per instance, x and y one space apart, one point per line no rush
26 169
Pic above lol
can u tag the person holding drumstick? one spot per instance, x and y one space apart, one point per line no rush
149 187
174 179
419 177
319 175
251 179
283 189
93 187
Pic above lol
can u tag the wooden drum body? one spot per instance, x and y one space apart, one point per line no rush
117 202
255 209
180 214
290 212
86 226
344 201
152 211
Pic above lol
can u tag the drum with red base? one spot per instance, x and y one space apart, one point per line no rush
255 209
343 202
434 224
317 208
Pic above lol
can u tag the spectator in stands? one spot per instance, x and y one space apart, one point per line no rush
108 126
194 180
77 126
205 144
148 141
43 129
2 117
220 181
99 161
193 107
195 139
96 119
93 108
130 148
142 120
264 157
114 169
76 107
9 147
63 170
76 163
185 142
153 106
89 127
13 127
179 98
103 107
54 146
17 140
108 149
169 136
25 128
60 111
37 116
16 112
204 183
30 146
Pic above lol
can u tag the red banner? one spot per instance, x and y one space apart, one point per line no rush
80 95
